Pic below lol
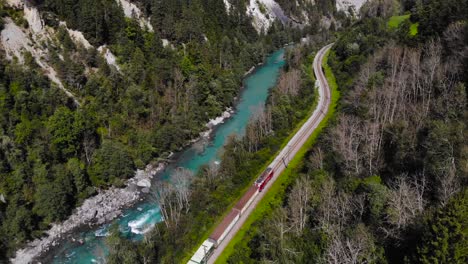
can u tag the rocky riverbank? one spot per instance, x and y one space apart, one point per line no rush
97 210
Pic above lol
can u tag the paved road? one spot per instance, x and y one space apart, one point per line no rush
291 148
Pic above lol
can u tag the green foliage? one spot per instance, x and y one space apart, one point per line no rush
261 7
377 197
100 21
121 250
111 162
402 23
434 16
20 223
66 129
445 239
354 45
54 200
77 171
395 21
53 155
414 29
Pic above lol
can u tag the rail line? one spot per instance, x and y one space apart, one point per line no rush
211 248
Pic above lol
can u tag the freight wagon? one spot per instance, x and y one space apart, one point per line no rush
247 199
203 253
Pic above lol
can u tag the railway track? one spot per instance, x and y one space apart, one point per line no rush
211 249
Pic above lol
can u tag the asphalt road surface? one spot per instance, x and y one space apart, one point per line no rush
290 150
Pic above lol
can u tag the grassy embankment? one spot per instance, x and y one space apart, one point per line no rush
277 192
395 21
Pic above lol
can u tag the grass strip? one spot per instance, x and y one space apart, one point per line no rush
277 192
395 21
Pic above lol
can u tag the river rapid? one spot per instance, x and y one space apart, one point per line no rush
89 245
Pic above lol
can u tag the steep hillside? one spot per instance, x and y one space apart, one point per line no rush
264 13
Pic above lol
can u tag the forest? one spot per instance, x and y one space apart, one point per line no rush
166 84
54 154
387 181
186 203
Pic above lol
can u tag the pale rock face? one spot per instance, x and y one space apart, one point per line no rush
227 4
263 19
15 41
344 5
131 10
15 3
109 56
165 42
34 19
78 37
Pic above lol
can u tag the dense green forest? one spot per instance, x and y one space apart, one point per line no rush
387 181
55 153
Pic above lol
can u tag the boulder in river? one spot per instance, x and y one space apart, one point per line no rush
144 183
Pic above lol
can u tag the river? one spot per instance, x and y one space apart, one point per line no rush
140 218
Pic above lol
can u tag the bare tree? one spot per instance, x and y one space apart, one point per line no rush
358 248
335 209
359 205
252 137
259 126
181 180
381 8
89 145
371 151
346 140
406 202
344 251
316 159
449 183
163 196
172 199
212 173
430 64
290 82
280 225
454 38
324 210
299 203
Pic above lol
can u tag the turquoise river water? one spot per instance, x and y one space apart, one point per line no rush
140 218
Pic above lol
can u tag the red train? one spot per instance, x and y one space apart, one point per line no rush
264 179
